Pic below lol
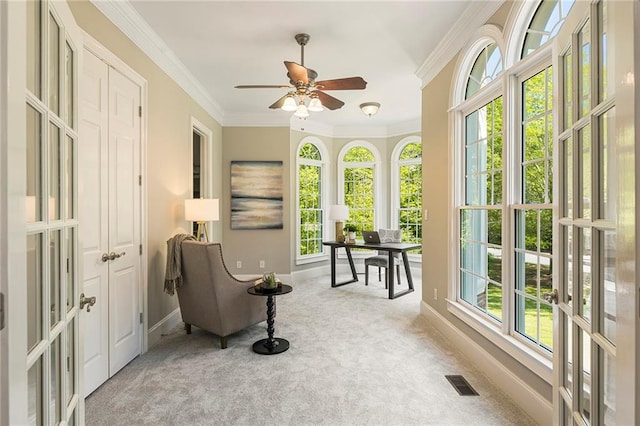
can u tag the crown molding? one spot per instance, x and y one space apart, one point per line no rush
128 20
474 16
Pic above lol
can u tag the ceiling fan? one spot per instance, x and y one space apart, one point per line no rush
304 86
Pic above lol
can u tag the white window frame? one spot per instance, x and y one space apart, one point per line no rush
323 163
377 194
507 85
396 163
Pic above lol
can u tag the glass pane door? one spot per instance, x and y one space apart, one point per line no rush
51 217
586 357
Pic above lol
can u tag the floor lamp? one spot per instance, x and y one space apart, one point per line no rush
339 212
201 211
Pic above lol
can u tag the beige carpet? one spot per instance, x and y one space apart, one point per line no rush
355 358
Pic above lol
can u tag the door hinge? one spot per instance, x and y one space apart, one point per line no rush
139 180
140 111
140 317
1 311
68 363
140 249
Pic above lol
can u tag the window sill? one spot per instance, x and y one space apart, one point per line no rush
536 362
312 259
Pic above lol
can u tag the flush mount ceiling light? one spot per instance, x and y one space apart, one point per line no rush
370 108
305 93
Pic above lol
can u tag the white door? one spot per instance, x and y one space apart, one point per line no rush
596 321
110 219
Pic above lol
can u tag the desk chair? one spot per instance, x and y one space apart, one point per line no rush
382 259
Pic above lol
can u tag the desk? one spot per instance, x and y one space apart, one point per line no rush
390 248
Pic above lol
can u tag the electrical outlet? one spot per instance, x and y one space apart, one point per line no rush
435 294
262 264
239 264
425 215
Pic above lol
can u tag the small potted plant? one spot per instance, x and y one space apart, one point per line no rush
269 281
351 230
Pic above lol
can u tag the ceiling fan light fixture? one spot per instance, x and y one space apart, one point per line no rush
370 108
315 105
289 104
301 111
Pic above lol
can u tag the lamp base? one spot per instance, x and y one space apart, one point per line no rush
339 231
202 232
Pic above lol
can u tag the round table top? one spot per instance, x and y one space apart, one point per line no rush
256 290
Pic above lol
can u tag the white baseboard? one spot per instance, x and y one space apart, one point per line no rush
307 274
534 404
163 326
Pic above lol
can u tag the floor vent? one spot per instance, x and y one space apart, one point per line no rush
461 385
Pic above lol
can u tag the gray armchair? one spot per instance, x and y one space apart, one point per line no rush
211 298
382 259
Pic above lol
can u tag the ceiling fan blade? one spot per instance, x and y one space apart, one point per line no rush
262 86
350 83
329 101
297 72
278 104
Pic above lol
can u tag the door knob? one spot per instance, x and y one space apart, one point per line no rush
114 255
551 297
111 256
89 301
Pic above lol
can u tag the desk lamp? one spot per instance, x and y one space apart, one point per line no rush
339 212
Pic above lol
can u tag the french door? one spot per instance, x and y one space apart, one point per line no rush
596 319
50 201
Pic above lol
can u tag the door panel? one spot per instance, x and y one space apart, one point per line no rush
111 200
93 196
124 213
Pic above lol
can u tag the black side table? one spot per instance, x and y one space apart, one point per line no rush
270 346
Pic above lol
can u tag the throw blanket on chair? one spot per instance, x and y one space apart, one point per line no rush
173 274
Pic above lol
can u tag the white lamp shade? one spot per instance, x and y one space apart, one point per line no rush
339 212
289 104
301 111
315 105
202 209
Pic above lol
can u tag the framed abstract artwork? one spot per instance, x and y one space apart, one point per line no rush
256 195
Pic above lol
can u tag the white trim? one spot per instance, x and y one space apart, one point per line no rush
309 273
529 356
483 37
475 15
516 29
164 326
519 391
206 167
129 21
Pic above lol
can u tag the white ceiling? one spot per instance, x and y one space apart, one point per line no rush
228 43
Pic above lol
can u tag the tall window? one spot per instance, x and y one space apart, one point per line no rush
310 201
359 184
504 195
407 190
533 215
481 213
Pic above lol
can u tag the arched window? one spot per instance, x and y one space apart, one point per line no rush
485 69
358 182
407 189
481 200
505 202
310 194
545 24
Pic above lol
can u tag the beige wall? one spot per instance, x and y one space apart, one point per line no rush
438 243
250 246
168 151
